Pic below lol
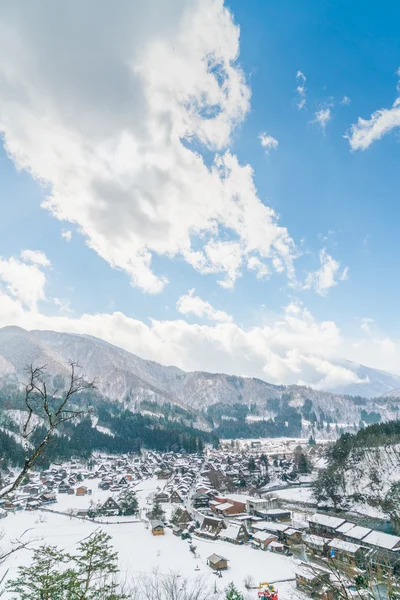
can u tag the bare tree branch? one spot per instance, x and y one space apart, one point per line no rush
53 409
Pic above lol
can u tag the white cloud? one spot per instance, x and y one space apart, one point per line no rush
366 131
322 117
25 283
66 234
366 324
301 89
345 101
191 304
327 276
63 304
261 269
102 104
268 142
292 347
36 257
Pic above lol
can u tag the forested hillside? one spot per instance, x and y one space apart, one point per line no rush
363 472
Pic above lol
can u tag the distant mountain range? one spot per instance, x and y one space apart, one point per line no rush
125 377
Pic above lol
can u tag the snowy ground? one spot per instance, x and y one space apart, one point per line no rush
296 494
140 552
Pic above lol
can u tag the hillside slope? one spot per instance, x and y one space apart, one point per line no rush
125 377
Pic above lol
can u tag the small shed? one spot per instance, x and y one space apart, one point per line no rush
157 528
81 490
217 562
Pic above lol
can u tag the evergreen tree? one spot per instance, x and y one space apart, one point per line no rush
45 578
232 593
128 503
95 567
57 575
157 513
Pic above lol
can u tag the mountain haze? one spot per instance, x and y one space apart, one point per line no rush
123 376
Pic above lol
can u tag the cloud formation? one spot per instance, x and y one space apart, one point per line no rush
301 89
366 131
36 257
189 304
112 111
290 347
268 142
327 276
322 117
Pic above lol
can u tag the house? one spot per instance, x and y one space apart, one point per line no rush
277 515
157 528
237 501
181 517
263 539
210 528
48 498
314 582
200 500
291 537
351 555
81 490
217 563
253 505
236 533
276 547
177 497
325 525
225 508
161 497
110 507
315 545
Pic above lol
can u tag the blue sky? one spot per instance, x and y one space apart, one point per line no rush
334 195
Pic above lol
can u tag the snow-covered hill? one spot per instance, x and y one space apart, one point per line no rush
123 376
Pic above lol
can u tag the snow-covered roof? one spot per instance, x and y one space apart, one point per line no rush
231 532
268 526
345 528
263 535
382 540
223 506
326 520
345 546
358 532
315 540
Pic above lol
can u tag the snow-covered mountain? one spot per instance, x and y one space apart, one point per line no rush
374 382
123 376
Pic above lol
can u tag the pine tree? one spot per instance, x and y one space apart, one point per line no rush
128 503
232 593
45 579
95 567
157 512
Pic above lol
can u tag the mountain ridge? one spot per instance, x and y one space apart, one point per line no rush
126 377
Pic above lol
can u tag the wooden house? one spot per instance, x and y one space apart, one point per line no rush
324 525
315 545
314 582
157 528
350 555
177 497
236 533
210 528
110 507
263 539
81 490
217 562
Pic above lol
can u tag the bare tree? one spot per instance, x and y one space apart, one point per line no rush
54 409
171 586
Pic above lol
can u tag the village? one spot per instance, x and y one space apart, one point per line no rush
237 514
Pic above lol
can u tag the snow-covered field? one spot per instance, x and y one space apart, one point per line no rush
140 552
296 494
